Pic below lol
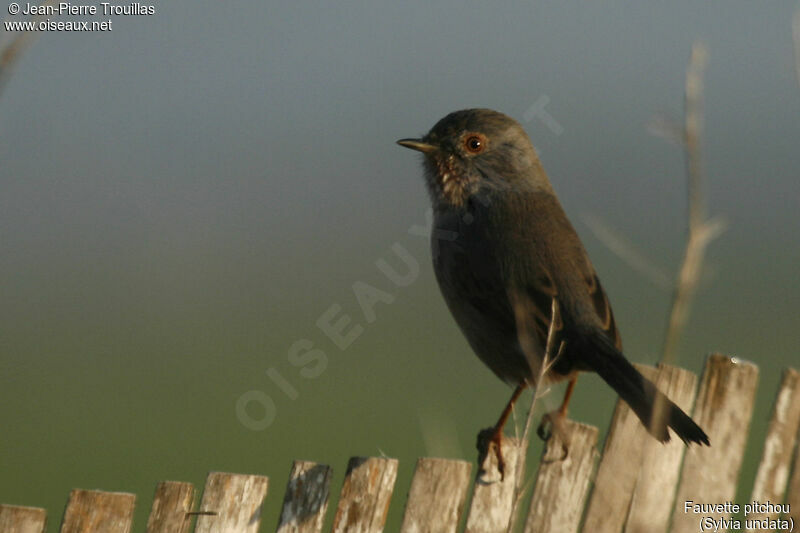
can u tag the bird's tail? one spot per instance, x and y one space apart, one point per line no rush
638 392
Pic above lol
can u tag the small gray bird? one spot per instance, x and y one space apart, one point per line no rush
508 260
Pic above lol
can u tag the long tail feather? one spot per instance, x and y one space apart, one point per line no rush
638 392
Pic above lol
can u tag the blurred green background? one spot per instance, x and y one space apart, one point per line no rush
183 197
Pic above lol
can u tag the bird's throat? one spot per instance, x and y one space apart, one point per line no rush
450 184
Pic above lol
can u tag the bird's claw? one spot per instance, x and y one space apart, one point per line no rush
545 429
552 425
491 439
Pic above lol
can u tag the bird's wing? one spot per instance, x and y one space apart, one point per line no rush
541 289
533 307
602 307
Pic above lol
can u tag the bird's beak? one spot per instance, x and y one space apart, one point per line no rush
417 144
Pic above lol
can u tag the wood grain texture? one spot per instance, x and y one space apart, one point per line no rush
436 498
776 460
19 519
619 469
236 499
366 494
724 408
492 499
171 503
93 510
793 494
562 481
654 494
306 498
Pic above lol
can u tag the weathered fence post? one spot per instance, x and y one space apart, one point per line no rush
793 495
236 501
89 511
436 498
366 493
724 408
776 460
22 519
563 480
634 486
172 502
306 498
653 497
619 469
490 509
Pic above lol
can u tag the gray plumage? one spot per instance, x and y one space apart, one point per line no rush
504 248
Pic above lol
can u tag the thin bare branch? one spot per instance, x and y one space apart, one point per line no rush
663 126
18 43
625 250
10 54
701 231
548 360
693 106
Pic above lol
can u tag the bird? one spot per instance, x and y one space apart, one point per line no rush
513 272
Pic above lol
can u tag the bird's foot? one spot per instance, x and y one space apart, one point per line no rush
552 425
491 440
547 425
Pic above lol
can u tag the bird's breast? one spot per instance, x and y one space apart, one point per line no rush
473 286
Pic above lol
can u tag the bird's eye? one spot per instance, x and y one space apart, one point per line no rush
474 144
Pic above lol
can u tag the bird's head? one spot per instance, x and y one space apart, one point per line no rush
477 150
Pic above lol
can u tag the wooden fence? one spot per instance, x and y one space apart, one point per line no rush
639 484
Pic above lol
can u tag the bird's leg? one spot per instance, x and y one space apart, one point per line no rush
552 422
494 435
562 411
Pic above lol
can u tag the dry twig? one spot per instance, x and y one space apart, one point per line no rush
701 230
625 250
10 53
548 361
